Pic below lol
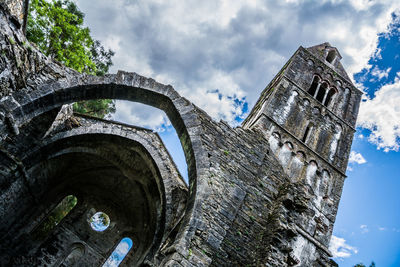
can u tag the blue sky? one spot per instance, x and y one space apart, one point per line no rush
369 212
221 54
119 253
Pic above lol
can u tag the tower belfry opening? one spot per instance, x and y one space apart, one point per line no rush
331 56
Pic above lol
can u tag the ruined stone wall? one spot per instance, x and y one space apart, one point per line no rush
248 204
22 66
48 172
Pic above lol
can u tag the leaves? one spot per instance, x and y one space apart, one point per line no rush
99 108
56 27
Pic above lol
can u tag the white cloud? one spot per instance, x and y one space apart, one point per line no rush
364 229
234 47
141 115
380 74
118 254
122 249
356 158
382 229
361 4
381 115
340 249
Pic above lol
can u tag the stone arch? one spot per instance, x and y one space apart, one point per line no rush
76 252
311 171
312 161
316 110
331 56
301 156
289 145
169 180
274 141
322 91
306 102
277 135
22 108
285 154
328 118
330 97
297 165
314 85
73 141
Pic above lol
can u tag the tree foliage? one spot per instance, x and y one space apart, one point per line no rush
55 217
57 28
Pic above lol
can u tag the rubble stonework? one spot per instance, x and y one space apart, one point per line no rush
264 194
17 9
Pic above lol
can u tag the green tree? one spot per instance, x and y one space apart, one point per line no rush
56 27
55 217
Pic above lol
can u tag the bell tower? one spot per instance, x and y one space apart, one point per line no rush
308 113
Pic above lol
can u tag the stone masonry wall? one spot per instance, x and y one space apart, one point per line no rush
243 207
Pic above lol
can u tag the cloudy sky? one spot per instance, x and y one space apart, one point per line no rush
221 54
119 253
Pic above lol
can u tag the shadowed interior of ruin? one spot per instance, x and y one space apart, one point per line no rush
106 174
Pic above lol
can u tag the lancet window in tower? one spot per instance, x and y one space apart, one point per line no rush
314 86
320 90
306 133
331 56
329 96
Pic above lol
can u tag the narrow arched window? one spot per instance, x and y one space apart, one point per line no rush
55 217
331 56
314 86
119 253
311 171
324 189
276 135
321 92
306 133
345 101
274 140
329 96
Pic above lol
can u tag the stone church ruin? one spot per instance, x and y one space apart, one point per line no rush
262 194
